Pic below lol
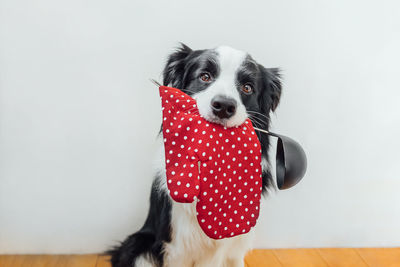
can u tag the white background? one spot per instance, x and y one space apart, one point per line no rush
79 117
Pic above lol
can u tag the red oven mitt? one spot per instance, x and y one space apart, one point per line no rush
218 167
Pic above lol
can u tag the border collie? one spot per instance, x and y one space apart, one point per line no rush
229 87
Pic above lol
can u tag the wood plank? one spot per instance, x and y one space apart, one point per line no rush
103 261
6 260
50 261
261 257
17 260
88 260
376 257
299 257
341 257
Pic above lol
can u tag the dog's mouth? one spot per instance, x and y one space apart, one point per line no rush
228 123
215 119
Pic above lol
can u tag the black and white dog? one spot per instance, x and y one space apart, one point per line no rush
229 87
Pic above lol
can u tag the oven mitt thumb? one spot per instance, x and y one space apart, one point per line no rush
181 160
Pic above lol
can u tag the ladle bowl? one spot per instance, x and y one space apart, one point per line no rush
291 161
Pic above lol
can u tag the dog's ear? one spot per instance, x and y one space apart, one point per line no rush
272 88
174 69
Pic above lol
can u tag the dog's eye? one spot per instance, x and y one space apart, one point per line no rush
205 77
247 89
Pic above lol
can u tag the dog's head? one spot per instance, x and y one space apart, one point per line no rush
228 85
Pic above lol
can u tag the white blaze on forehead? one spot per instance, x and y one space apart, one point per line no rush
229 61
230 57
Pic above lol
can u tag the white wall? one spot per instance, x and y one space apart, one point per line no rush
78 116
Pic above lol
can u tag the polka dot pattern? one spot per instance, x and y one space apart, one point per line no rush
218 167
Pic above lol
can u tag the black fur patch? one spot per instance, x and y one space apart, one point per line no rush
150 238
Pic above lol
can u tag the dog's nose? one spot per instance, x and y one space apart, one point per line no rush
223 107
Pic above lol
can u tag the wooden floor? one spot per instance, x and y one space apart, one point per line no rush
374 257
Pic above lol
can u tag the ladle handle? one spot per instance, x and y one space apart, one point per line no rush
265 131
155 82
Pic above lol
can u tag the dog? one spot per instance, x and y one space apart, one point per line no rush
229 87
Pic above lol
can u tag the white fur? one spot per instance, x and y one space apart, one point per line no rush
142 261
230 61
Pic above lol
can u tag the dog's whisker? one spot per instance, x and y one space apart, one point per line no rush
256 124
259 120
258 113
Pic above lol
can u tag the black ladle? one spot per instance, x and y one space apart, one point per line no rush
291 161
